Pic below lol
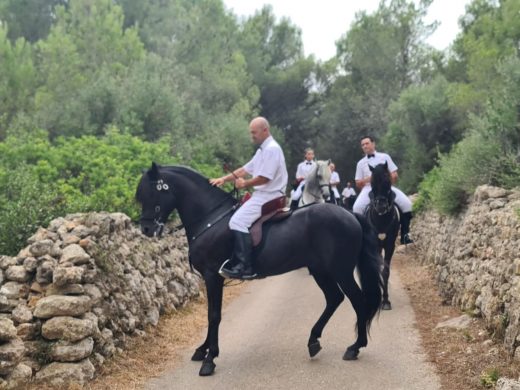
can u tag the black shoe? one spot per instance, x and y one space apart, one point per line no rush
406 239
238 272
242 257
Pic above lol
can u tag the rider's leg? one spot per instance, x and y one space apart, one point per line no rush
362 201
239 225
405 205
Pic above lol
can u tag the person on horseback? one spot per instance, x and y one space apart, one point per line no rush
334 182
269 179
363 177
303 170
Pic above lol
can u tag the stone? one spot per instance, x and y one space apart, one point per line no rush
74 254
7 305
41 248
21 314
507 384
28 330
14 290
17 273
7 329
461 322
68 328
11 354
7 261
44 272
64 374
67 275
93 292
57 305
19 377
65 351
68 289
30 264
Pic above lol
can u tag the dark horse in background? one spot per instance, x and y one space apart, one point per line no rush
327 239
383 216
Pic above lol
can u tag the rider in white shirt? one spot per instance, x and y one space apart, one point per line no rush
334 182
269 179
363 177
302 171
348 194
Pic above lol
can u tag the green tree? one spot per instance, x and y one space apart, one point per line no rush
17 79
28 19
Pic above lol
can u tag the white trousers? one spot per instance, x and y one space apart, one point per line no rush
250 211
297 193
363 200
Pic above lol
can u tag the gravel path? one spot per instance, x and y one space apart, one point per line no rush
263 344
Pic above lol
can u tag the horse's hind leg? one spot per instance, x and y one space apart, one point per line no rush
333 297
351 289
209 350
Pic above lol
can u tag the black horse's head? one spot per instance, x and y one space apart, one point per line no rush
381 197
157 201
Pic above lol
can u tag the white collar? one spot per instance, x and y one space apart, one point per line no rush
266 141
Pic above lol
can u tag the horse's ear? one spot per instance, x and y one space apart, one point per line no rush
371 168
329 161
154 171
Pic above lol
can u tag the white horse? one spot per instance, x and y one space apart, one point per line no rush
317 183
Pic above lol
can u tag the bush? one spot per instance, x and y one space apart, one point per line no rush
40 181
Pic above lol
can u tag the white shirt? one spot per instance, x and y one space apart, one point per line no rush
362 169
334 178
348 192
304 168
269 162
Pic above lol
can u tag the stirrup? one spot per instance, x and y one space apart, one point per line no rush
222 268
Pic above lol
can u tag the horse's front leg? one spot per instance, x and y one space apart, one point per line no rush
214 289
389 252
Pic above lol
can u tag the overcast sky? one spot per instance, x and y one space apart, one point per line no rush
323 22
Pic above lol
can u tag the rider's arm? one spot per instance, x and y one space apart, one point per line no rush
240 172
393 176
360 183
255 181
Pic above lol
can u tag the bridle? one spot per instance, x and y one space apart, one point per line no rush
318 186
156 220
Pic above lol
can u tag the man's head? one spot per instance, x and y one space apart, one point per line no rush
368 145
349 184
332 167
259 130
309 154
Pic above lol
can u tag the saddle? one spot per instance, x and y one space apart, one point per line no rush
273 211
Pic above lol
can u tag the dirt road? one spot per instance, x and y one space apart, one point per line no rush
263 344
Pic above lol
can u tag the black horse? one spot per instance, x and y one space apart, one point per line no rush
383 216
327 239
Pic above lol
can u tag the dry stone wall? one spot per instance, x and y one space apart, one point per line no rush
72 297
476 257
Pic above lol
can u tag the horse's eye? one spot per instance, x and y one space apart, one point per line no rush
157 209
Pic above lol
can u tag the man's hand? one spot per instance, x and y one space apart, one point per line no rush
219 181
240 183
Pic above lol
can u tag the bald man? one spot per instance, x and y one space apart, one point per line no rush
269 179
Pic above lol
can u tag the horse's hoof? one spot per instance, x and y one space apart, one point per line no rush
314 348
351 354
198 355
386 306
207 369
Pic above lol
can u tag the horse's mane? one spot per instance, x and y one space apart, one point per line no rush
198 178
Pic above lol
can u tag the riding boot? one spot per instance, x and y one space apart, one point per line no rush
294 204
405 228
242 256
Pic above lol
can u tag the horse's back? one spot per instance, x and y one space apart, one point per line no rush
317 234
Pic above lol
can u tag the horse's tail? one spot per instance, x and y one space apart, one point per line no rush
370 270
